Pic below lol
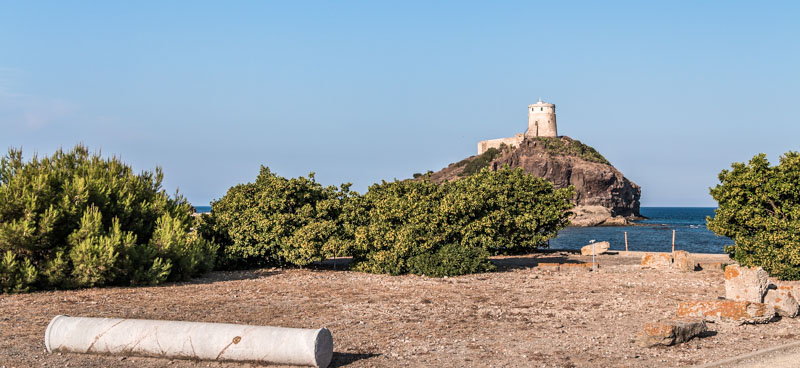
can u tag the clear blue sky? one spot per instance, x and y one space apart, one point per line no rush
670 93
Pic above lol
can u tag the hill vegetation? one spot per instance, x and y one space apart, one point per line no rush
473 165
570 147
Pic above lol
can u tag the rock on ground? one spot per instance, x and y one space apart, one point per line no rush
668 333
746 283
792 286
566 266
657 260
599 248
781 299
727 310
683 261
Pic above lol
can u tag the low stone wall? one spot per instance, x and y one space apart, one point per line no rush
496 143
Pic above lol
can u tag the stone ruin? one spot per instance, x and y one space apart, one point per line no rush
678 260
751 297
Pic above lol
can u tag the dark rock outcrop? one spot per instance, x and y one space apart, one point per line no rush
596 182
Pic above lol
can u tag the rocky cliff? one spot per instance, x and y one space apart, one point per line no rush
603 195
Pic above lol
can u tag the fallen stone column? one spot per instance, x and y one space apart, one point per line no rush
190 340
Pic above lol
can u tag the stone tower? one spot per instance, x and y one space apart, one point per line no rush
542 120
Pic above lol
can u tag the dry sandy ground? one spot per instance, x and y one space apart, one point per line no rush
519 316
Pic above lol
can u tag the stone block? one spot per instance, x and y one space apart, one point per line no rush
599 248
549 266
780 297
792 286
566 266
668 333
683 260
657 260
746 283
710 265
578 266
727 310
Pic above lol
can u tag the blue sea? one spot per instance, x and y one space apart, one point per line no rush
652 235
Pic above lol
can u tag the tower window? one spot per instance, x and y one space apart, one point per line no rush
541 109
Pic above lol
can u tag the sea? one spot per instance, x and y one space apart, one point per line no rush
652 235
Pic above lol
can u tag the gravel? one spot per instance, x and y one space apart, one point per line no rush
518 316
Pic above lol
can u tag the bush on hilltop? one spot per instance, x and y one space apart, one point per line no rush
571 147
474 165
759 208
75 219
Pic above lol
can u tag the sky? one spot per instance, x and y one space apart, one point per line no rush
362 91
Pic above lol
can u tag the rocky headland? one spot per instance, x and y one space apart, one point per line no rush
603 196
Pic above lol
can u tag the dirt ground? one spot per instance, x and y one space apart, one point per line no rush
522 315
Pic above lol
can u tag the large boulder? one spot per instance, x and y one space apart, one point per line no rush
727 310
599 248
746 283
668 333
589 215
780 298
683 261
657 260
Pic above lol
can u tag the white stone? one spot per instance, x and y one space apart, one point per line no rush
783 302
657 260
746 283
599 248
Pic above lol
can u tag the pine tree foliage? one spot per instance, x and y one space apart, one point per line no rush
75 219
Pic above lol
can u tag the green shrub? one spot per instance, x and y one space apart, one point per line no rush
475 164
396 221
276 221
399 227
571 147
75 219
507 211
759 208
451 260
16 276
